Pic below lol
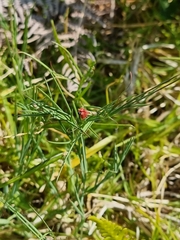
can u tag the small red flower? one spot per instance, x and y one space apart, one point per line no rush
83 113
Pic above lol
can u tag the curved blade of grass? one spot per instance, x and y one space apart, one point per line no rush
28 224
53 74
67 56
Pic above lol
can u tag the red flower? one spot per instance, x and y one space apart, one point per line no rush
83 113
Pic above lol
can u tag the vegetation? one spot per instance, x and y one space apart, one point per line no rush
120 163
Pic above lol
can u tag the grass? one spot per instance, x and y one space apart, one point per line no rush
121 163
